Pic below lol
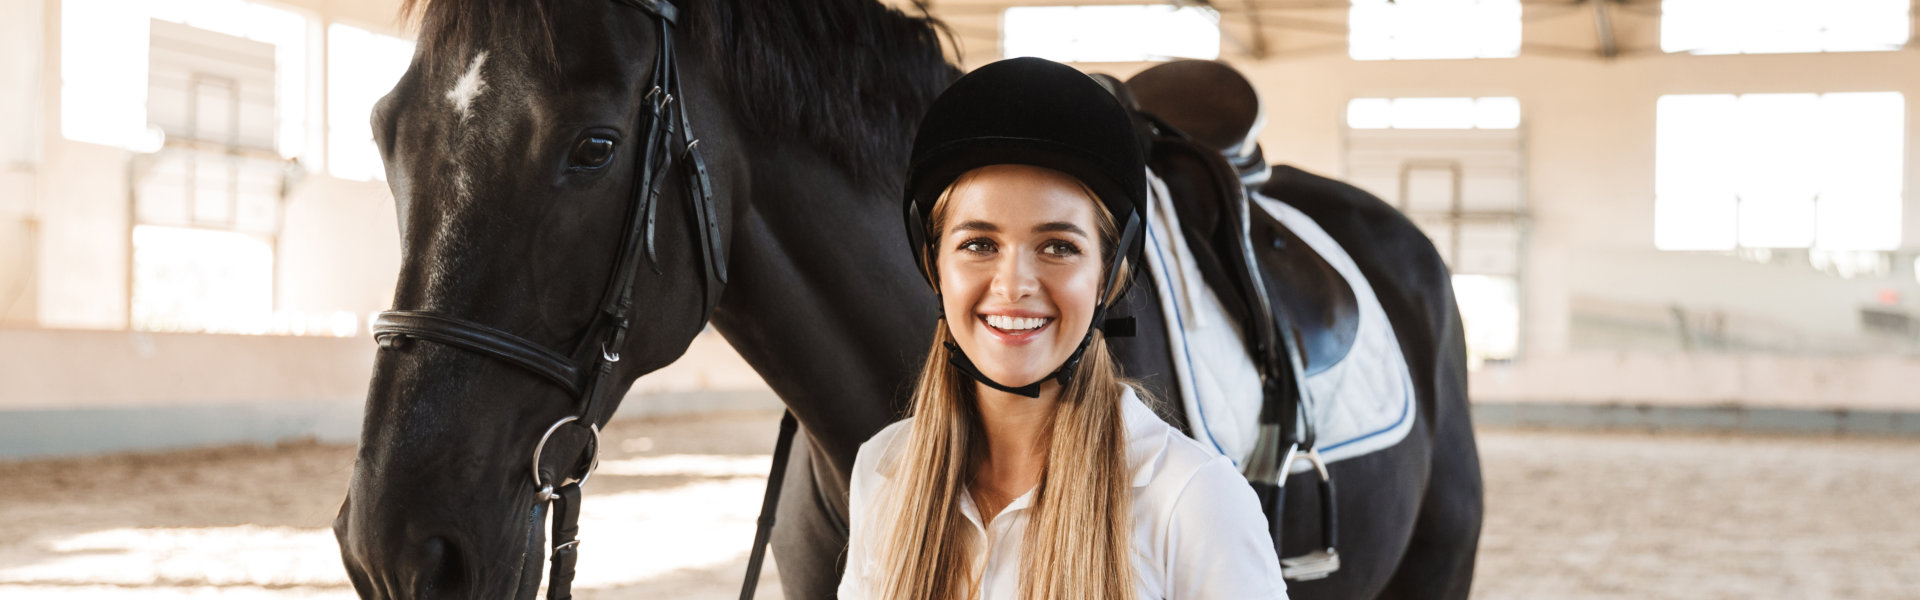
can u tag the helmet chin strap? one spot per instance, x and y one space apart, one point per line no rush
1120 327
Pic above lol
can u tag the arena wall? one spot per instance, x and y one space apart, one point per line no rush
73 378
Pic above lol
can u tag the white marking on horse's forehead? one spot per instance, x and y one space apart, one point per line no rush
465 89
468 87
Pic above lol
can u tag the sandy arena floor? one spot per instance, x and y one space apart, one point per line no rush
1569 515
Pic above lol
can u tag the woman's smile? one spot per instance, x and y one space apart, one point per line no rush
1015 329
1019 260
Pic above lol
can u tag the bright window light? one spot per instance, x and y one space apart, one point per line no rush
103 65
200 280
1113 33
1769 26
192 280
362 66
1819 171
1433 29
103 72
1490 314
1434 113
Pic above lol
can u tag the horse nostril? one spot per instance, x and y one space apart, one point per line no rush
441 572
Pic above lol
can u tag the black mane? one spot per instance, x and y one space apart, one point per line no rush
452 26
849 77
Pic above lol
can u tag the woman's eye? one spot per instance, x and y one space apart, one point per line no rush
977 246
592 152
1058 248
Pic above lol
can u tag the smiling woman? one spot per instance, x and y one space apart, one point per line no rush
1016 261
1030 468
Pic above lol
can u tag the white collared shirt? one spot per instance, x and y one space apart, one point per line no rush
1198 531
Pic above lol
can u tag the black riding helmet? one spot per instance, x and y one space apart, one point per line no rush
1036 112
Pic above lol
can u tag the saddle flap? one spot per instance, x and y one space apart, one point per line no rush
1320 304
1229 237
1206 199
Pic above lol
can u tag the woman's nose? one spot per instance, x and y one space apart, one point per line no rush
1013 278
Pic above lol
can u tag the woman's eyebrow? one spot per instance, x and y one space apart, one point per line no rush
976 225
1060 226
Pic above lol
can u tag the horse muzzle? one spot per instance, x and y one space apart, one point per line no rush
393 567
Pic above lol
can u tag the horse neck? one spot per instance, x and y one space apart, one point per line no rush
824 300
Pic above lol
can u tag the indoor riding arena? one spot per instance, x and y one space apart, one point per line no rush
1681 245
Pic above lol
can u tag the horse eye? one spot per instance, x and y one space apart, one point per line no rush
592 153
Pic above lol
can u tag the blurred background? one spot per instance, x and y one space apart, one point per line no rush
1680 232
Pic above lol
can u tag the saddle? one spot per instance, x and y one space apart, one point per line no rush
1212 104
1200 122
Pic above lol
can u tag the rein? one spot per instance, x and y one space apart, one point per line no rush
590 378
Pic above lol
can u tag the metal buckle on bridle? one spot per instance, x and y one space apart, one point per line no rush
660 98
1320 563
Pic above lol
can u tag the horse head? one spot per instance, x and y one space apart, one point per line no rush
560 237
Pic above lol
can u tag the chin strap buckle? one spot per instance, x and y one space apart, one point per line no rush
1119 327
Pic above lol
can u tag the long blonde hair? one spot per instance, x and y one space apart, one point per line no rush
1077 542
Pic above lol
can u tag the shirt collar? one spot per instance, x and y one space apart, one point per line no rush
1146 440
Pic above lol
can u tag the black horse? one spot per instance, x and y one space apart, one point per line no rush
510 146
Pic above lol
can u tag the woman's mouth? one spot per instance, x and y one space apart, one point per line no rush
1015 329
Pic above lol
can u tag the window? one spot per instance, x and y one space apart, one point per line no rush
1455 167
1820 171
198 280
1763 26
201 281
1434 113
1416 29
362 66
1119 33
103 73
207 202
1489 315
104 62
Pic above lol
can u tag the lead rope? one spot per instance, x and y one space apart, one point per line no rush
768 505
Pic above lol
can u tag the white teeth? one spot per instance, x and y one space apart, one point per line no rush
1015 323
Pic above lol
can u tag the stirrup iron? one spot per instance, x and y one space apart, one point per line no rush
1317 564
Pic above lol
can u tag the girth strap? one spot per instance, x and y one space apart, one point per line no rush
390 326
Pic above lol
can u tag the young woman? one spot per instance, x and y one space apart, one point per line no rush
1029 468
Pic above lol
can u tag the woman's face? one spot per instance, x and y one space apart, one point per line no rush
1019 268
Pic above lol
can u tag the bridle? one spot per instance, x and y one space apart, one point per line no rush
587 373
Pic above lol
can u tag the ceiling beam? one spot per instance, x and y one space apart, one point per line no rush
1603 28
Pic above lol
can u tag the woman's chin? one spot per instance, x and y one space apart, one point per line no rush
1013 367
1013 378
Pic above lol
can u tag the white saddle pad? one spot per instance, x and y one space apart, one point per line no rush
1359 405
